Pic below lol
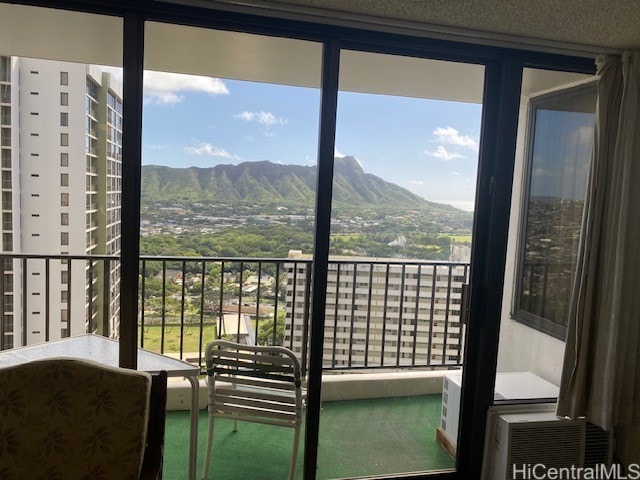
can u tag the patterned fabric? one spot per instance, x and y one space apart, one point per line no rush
65 419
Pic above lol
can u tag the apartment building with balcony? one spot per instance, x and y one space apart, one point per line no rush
61 195
381 312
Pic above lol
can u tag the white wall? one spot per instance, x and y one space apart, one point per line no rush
523 348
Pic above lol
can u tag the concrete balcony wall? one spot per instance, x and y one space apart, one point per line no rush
350 386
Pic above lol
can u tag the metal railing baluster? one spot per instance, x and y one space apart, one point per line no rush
366 340
384 315
305 325
293 304
47 299
434 276
416 318
400 316
446 316
203 285
275 307
24 301
335 318
184 279
219 329
106 300
143 272
164 304
353 311
258 301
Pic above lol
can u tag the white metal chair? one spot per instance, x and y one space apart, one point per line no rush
254 384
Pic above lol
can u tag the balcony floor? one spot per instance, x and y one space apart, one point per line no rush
357 438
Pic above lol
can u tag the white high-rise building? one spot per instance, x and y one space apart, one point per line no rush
61 145
381 312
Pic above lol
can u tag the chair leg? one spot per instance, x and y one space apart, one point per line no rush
235 417
294 454
207 455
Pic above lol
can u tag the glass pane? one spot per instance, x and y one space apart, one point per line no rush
555 141
403 198
53 209
559 164
228 192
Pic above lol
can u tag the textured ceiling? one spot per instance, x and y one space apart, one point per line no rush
601 23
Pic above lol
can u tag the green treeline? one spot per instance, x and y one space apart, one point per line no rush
273 241
276 240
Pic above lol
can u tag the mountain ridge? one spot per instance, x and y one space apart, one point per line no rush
271 184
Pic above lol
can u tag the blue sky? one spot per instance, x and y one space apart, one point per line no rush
427 146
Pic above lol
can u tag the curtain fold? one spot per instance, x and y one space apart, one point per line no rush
600 378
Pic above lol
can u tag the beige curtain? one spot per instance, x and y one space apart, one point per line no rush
601 374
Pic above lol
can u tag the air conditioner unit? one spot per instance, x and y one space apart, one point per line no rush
525 440
451 391
517 442
511 386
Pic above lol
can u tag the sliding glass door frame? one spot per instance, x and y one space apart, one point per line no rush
503 76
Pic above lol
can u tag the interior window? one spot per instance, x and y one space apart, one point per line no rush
559 151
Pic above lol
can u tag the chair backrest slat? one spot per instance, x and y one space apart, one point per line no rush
255 382
248 365
251 373
239 411
254 357
258 394
223 401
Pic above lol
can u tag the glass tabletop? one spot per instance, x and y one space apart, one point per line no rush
98 349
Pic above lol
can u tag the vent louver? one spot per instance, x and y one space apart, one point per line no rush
597 450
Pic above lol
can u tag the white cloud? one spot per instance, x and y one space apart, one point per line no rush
468 205
264 118
209 150
451 136
443 154
416 182
164 88
156 147
337 153
455 174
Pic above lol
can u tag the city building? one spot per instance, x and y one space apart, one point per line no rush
238 328
381 312
61 195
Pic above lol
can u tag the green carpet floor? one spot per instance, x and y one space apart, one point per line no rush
357 438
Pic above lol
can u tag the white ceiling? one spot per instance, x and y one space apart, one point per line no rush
613 24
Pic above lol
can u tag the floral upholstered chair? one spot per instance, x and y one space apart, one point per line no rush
72 419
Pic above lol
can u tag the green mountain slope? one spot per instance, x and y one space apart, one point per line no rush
271 185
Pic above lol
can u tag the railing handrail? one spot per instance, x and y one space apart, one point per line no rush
58 256
159 258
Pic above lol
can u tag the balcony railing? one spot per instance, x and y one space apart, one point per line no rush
391 314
